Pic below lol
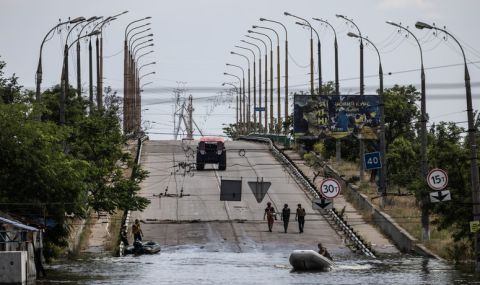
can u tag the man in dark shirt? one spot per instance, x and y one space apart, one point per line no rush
300 217
285 216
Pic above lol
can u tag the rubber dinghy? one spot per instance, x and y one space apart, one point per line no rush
147 247
309 260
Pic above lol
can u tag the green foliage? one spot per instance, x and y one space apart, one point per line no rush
319 148
62 169
402 161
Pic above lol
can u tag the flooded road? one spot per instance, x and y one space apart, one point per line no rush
187 265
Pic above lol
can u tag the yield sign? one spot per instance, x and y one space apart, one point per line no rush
322 204
259 189
440 196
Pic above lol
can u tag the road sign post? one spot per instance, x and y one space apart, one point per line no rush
372 160
330 188
440 196
437 179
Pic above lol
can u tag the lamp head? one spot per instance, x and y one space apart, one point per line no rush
124 12
316 19
146 18
254 27
94 33
225 73
392 23
150 45
422 25
301 24
232 52
262 19
92 19
250 31
286 14
76 20
340 16
150 35
350 34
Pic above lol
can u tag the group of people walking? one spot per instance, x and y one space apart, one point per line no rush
271 215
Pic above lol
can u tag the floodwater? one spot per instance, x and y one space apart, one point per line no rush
187 265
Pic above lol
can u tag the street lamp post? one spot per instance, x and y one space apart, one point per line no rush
383 172
259 80
242 96
236 105
279 117
127 98
423 138
79 74
472 141
138 110
286 70
135 83
65 57
335 45
312 87
63 91
266 82
319 54
254 88
39 73
247 112
362 92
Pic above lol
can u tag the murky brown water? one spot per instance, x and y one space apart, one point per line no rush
181 265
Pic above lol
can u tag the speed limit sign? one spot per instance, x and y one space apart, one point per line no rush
437 179
330 188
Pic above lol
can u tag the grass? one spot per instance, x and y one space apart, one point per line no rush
406 212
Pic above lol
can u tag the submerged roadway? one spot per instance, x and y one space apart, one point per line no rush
196 217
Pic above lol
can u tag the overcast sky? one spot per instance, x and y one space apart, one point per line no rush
193 40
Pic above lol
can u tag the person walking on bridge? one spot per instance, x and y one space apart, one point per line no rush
300 217
270 214
285 216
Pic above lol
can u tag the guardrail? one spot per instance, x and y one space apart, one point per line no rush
303 180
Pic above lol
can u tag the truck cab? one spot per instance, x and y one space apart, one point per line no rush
211 150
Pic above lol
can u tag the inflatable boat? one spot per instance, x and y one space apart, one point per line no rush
146 247
309 260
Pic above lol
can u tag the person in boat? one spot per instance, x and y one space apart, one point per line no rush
323 251
285 216
123 235
270 214
137 231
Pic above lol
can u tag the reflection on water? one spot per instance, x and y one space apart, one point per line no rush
195 266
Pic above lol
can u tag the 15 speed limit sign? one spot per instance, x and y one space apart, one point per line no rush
437 179
330 188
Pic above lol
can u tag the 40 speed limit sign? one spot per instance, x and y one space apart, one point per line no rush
330 188
437 179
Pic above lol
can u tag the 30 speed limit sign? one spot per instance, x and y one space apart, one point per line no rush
437 179
330 188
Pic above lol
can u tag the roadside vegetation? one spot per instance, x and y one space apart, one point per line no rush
450 235
50 172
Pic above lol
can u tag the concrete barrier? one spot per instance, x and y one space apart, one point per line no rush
13 267
402 239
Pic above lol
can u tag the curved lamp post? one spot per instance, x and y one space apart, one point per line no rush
138 102
319 51
65 56
259 81
286 69
242 96
362 85
423 138
312 87
39 73
279 117
238 92
383 172
63 92
266 81
472 141
335 45
247 112
254 87
127 96
239 82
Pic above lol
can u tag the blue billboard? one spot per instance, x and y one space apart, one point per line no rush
336 116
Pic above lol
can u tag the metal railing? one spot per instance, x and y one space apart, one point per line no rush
303 180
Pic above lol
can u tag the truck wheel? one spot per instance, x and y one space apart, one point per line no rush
222 164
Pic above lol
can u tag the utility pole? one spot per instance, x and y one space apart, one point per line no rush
190 118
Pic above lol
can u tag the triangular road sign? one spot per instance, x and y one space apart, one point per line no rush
322 204
440 196
259 189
